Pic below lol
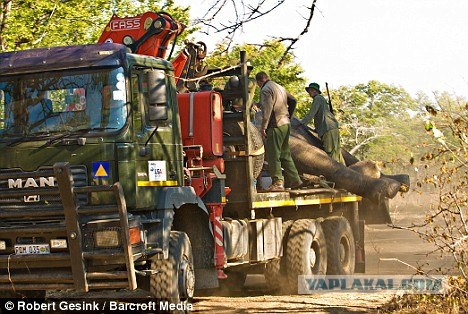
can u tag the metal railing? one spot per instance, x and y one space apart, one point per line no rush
64 269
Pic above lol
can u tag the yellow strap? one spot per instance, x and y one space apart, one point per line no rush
299 202
157 183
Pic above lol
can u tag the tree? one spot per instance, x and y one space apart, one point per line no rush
445 171
38 23
376 120
245 11
449 219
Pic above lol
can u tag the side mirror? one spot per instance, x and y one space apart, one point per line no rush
157 95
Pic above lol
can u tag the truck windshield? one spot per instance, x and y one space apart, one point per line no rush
58 102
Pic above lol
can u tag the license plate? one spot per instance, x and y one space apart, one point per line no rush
25 249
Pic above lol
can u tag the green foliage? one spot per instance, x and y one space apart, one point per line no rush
40 23
444 169
265 58
378 121
374 101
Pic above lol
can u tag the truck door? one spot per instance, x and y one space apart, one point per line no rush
158 149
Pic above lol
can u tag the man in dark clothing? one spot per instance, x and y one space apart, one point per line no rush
325 123
276 128
235 83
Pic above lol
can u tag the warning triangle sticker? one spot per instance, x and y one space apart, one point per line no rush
101 172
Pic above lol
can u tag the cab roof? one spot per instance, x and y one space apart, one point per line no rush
60 58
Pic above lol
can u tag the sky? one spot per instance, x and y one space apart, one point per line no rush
420 45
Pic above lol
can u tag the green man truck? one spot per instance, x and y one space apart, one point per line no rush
118 172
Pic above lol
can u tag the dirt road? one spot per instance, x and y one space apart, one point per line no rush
323 303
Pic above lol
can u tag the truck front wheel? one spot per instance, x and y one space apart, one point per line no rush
175 279
306 252
340 246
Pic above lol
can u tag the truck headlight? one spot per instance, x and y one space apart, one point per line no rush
106 238
2 245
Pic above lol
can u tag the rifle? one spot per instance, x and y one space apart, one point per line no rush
329 99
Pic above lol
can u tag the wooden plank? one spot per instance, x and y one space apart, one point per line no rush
65 183
125 233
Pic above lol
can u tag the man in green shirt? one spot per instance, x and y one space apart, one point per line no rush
275 127
325 123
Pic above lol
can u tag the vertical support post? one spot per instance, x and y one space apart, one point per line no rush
358 233
125 235
248 149
65 185
355 222
191 103
216 212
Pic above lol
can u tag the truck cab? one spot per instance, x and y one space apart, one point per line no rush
112 116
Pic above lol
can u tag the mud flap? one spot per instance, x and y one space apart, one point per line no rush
375 212
184 211
360 264
193 220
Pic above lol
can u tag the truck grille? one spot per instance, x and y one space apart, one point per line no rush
16 180
34 226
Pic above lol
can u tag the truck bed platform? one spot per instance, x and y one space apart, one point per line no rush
301 197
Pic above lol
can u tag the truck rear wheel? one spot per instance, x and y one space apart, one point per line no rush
340 246
275 271
306 252
175 280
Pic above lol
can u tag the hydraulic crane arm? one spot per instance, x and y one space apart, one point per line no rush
147 34
189 64
150 34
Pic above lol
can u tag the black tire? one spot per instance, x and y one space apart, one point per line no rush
273 275
37 294
306 252
175 281
235 128
275 270
340 246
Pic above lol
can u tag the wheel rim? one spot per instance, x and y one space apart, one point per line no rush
344 251
314 255
186 279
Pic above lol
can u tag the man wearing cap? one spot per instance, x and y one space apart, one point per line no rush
275 127
326 125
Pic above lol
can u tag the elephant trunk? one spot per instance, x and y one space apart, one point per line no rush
312 160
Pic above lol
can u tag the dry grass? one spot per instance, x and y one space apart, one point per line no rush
455 301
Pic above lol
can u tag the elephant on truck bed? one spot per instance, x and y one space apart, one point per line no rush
309 157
